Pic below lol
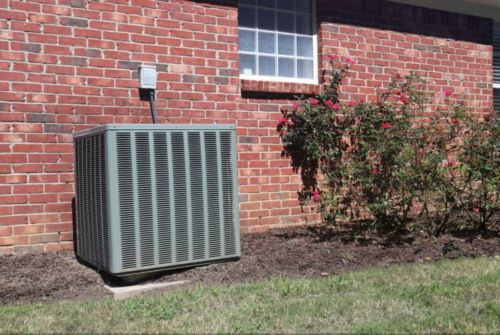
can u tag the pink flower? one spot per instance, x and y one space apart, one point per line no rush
350 61
451 164
376 171
352 103
313 102
336 107
476 210
448 92
332 57
454 121
399 76
404 99
296 105
329 103
316 196
281 121
385 125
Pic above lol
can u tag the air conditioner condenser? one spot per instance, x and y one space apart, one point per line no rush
156 197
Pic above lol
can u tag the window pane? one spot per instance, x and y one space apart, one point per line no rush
304 46
304 24
286 4
304 6
246 17
267 3
267 66
496 62
286 22
247 65
305 69
286 45
247 40
267 43
266 19
276 38
286 67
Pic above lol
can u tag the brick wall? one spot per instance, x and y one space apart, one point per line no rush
67 65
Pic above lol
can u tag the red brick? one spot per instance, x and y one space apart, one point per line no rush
10 179
13 240
44 218
6 231
10 96
29 229
28 249
13 220
43 238
27 209
22 147
42 198
51 247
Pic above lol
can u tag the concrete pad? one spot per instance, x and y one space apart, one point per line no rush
125 292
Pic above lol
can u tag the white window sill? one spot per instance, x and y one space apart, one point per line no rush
279 79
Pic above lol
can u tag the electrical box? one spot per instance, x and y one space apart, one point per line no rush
147 76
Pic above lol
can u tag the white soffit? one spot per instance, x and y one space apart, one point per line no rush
482 8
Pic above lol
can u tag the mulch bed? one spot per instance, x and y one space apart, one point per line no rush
291 252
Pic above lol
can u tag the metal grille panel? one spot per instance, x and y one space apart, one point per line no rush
126 191
145 197
213 190
180 199
227 192
163 197
197 198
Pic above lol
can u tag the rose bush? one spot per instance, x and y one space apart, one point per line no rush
395 161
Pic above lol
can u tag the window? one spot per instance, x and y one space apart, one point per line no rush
496 67
277 40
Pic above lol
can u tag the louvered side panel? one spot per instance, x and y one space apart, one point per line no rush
163 195
180 197
197 200
227 192
91 202
126 200
213 195
80 201
102 205
90 223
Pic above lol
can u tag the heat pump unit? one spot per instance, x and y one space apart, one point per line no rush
156 197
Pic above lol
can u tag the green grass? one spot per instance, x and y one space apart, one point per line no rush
447 296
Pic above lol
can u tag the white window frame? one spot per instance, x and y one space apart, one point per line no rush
314 36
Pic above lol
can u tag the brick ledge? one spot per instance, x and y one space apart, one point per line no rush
279 87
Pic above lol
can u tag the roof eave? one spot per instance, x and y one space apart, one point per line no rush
482 8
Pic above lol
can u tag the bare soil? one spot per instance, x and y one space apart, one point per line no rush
291 252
